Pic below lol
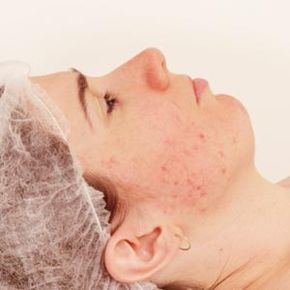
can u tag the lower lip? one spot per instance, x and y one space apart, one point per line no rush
199 86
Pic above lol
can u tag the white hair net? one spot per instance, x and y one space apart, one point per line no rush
53 225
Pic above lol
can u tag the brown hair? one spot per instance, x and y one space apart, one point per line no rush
116 207
118 210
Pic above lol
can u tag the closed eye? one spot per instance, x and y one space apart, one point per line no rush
110 102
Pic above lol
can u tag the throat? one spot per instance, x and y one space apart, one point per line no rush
260 242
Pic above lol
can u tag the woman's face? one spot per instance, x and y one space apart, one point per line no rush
155 140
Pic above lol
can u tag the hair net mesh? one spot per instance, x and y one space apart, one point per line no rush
53 225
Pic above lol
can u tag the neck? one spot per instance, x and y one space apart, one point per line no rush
248 240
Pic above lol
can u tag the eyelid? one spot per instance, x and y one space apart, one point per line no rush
100 98
110 97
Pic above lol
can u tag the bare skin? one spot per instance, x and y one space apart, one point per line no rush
193 167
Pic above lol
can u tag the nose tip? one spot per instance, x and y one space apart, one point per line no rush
156 72
154 53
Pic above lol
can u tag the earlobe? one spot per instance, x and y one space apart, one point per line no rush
130 258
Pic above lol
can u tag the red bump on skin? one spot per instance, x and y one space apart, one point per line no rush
164 168
198 187
168 141
176 182
201 136
113 160
110 163
187 152
168 209
224 170
189 182
221 153
202 194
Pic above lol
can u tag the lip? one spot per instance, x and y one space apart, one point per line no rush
199 87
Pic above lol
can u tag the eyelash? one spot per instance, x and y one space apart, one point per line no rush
111 102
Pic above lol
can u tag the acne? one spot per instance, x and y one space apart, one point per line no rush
164 168
167 209
168 141
190 182
174 195
110 163
201 136
224 170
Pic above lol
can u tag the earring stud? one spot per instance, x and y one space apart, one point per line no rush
185 243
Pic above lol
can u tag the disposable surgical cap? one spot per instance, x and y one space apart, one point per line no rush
53 225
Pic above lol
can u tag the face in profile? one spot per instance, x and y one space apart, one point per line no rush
146 131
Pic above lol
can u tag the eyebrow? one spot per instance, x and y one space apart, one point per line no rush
82 84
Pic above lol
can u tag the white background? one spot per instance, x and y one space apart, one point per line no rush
241 47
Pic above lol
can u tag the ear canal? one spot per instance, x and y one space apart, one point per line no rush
145 251
130 258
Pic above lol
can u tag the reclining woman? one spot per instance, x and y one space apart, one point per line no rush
189 209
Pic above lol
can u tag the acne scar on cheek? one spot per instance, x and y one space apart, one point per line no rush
168 141
174 195
201 136
188 181
203 194
164 168
110 163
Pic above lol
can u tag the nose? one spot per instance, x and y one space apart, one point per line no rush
152 65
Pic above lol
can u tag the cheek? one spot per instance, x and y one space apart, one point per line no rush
196 165
184 164
195 175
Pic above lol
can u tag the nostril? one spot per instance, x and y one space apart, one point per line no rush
156 70
157 79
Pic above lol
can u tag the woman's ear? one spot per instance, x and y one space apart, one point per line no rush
133 255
